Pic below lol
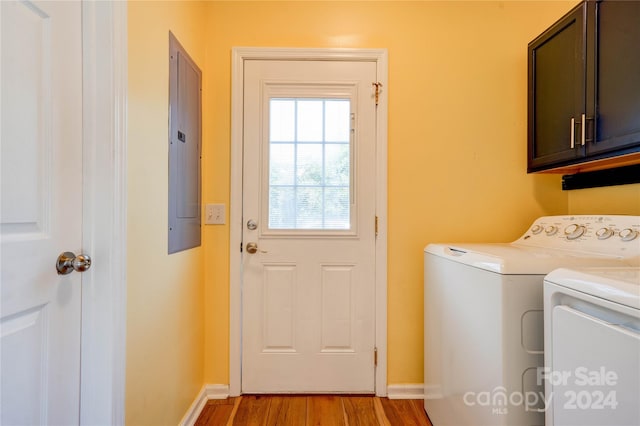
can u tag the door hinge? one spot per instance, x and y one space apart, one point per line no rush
240 246
376 226
377 86
375 357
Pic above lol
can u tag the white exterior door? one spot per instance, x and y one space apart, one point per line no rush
308 295
41 211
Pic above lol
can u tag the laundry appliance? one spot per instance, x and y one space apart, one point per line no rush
484 332
592 346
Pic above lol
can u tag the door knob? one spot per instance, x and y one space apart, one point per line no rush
253 248
68 262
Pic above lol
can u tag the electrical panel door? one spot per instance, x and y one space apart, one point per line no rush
185 142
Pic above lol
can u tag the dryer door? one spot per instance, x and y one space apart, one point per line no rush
595 369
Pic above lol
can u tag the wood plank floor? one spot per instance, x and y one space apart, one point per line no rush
312 410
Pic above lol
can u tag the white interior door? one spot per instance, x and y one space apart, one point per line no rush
308 299
41 211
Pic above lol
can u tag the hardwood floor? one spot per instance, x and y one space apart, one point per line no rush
312 410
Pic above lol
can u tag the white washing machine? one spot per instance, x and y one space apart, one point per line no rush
484 333
592 342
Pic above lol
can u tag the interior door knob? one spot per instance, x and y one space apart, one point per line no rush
68 262
253 248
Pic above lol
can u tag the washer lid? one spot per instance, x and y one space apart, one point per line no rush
518 259
617 284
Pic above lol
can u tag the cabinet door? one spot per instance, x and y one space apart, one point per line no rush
556 93
613 92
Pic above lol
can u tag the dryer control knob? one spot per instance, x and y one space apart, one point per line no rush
551 230
536 229
604 233
574 231
628 234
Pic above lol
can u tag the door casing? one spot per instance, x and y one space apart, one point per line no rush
104 57
239 55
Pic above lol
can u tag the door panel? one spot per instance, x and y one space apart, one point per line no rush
308 190
41 208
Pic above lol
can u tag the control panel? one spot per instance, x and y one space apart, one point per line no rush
616 235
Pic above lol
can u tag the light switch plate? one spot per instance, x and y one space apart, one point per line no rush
214 214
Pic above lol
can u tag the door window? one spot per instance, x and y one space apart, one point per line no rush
310 164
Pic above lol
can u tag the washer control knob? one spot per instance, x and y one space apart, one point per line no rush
551 230
604 233
574 231
628 234
536 229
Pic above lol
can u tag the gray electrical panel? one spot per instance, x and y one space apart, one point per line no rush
185 145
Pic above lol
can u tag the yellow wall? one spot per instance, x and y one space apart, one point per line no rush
457 135
165 308
623 199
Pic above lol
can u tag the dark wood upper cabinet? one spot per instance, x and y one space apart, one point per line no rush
614 89
584 88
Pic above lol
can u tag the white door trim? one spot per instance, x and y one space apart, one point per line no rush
239 55
104 34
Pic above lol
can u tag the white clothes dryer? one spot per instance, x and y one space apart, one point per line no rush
592 347
484 332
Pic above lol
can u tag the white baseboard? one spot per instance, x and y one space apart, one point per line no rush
406 391
206 393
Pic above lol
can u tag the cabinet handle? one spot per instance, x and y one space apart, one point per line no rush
573 132
584 126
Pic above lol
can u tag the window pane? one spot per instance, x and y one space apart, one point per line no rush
336 126
282 164
336 203
309 167
282 120
309 208
310 176
337 164
310 118
282 208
